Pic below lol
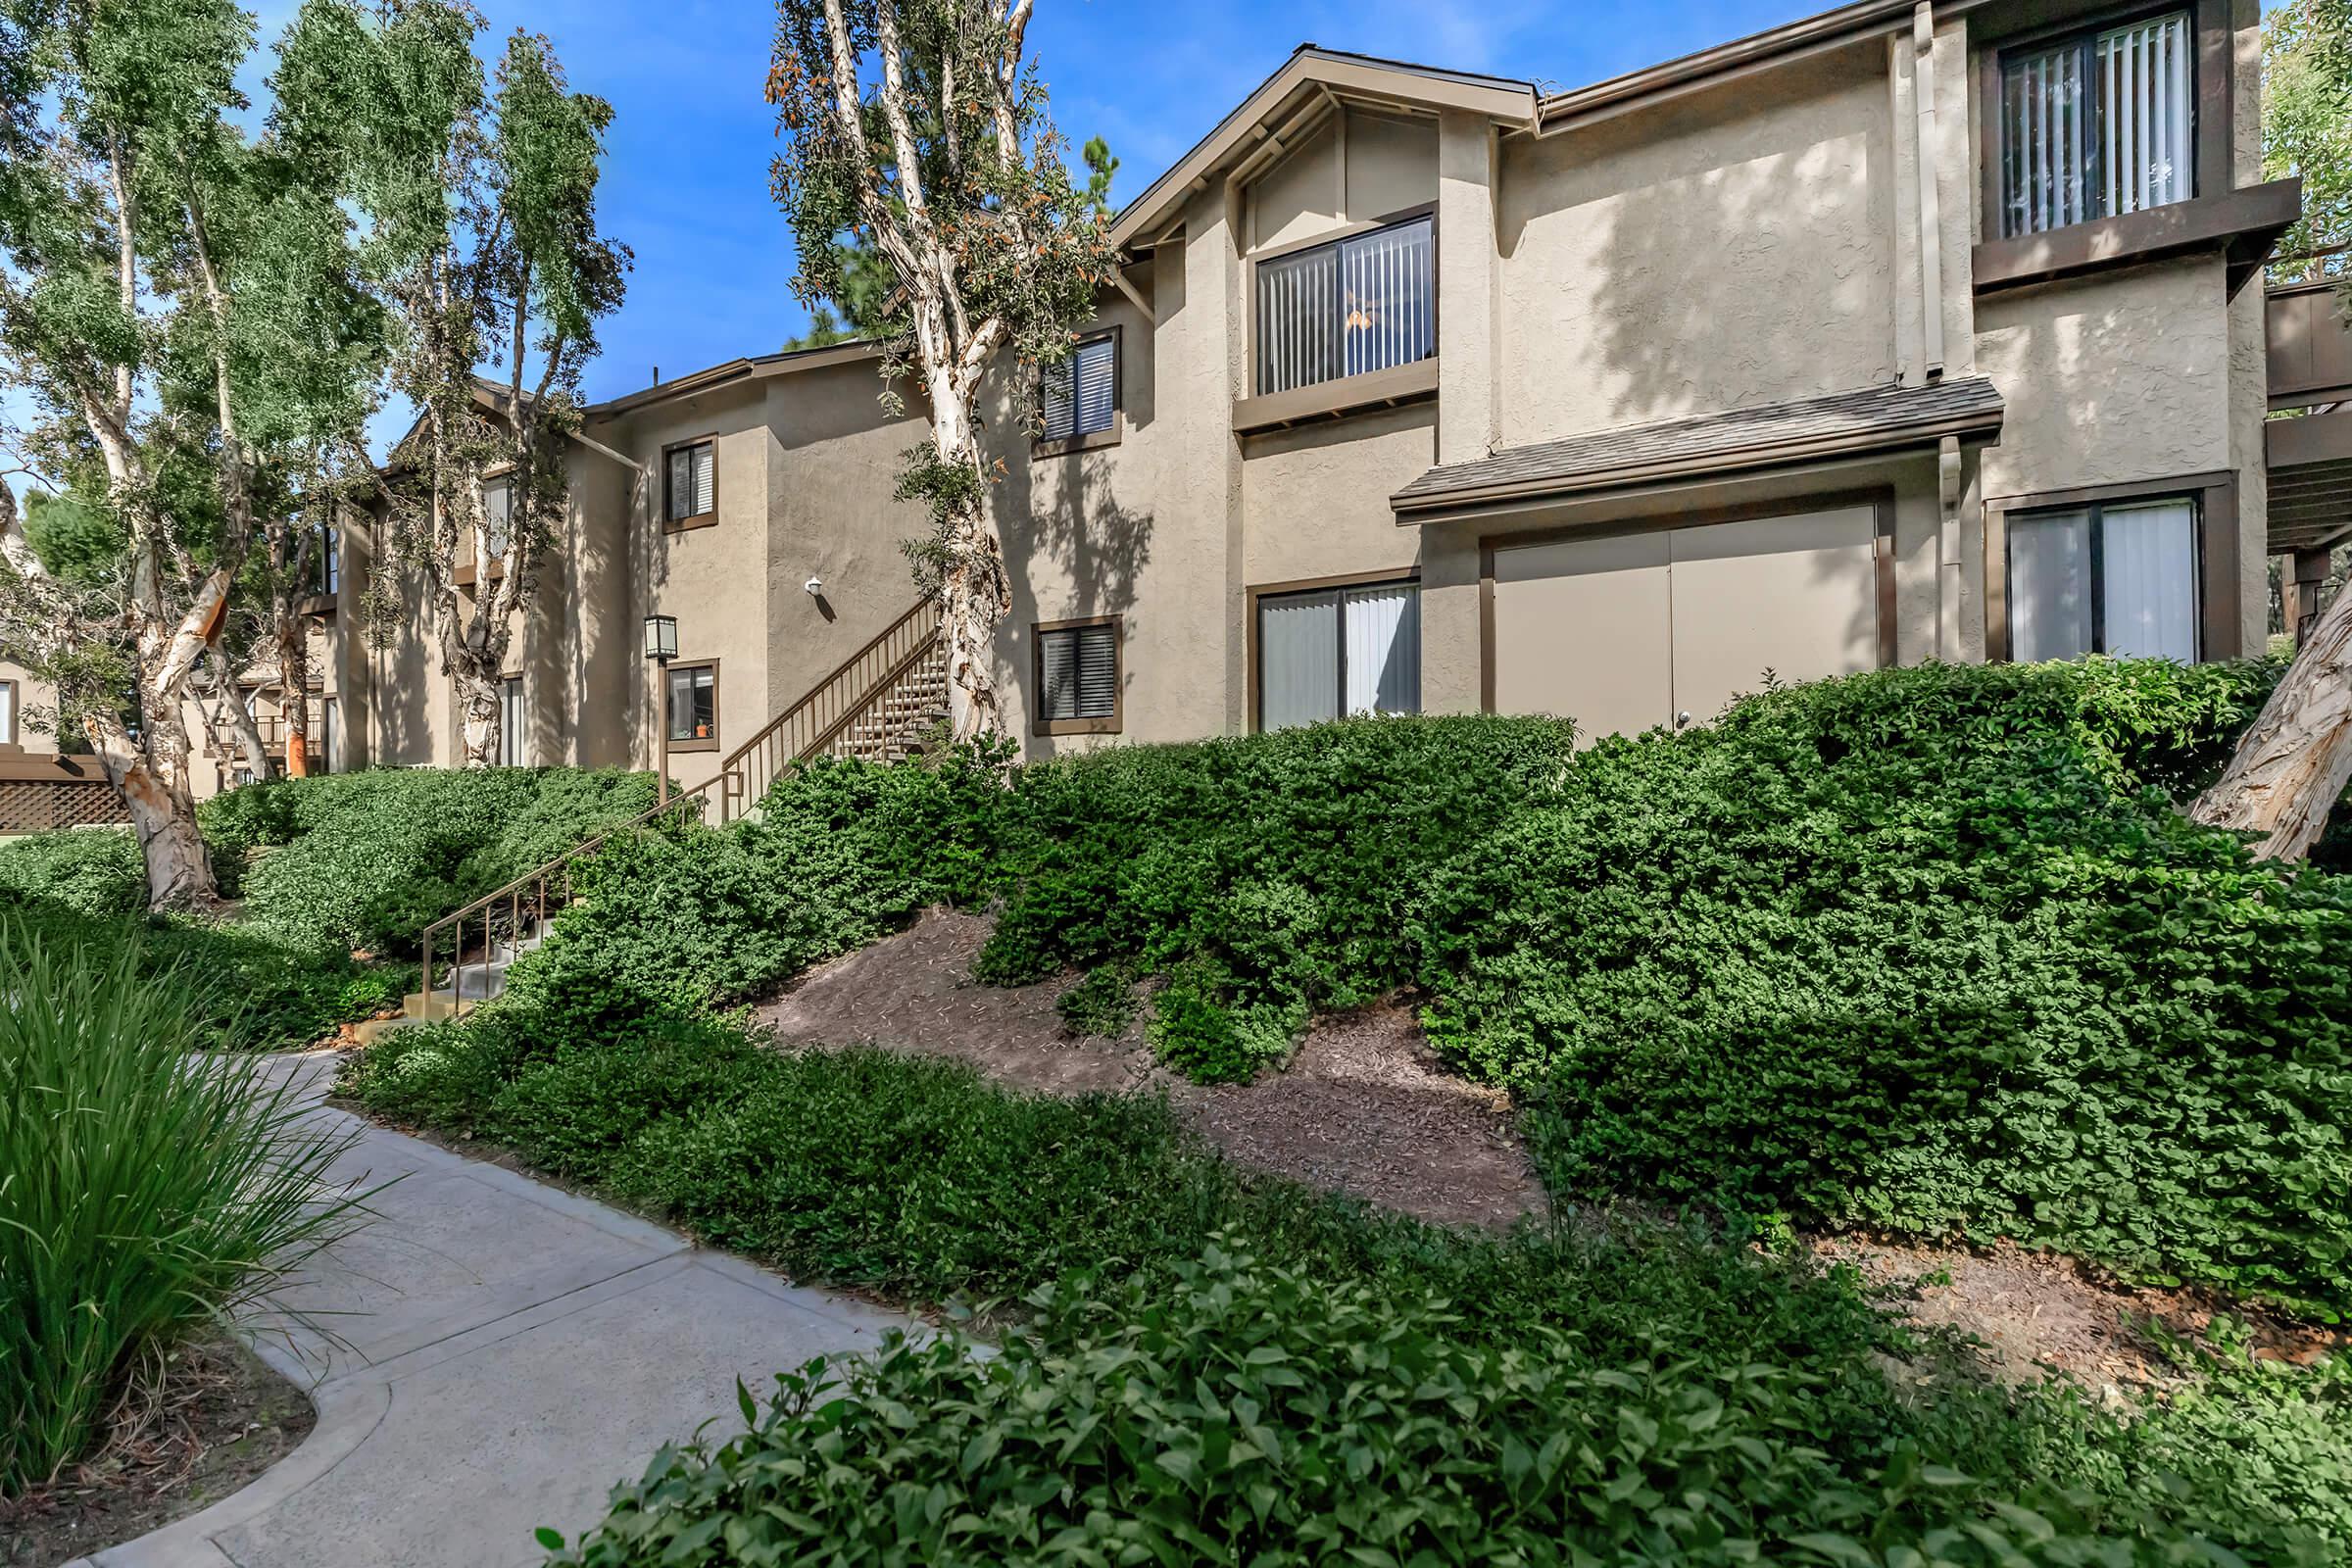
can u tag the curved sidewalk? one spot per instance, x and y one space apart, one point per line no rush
497 1354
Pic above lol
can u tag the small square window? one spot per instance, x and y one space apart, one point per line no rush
1078 678
690 490
693 707
8 712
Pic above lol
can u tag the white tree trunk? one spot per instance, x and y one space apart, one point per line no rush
478 717
2291 768
152 780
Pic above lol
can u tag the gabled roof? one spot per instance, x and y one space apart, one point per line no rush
1870 419
1310 75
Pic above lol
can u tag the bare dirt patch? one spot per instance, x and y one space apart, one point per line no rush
1366 1109
210 1421
2036 1312
1363 1107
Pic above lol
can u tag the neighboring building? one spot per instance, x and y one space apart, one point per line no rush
1898 333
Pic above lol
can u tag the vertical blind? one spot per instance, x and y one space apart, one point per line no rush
1368 303
510 721
1081 393
331 567
8 712
2150 578
691 476
330 746
2118 579
2049 587
2099 124
1337 651
498 511
1079 667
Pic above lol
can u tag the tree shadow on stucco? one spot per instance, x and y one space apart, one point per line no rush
1075 532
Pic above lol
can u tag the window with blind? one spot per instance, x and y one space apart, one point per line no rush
330 739
510 721
1081 394
2116 579
691 489
1337 651
1365 303
8 712
2099 123
330 564
1078 676
498 511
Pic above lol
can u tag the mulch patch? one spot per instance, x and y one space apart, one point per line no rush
210 1420
1363 1108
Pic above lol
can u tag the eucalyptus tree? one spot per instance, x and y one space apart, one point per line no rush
920 127
478 192
179 306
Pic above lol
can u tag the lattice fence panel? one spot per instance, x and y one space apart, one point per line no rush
34 806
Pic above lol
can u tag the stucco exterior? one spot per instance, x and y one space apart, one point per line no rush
1748 228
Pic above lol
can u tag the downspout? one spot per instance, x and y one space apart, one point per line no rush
1931 217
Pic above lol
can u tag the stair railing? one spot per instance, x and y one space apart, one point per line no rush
810 724
810 727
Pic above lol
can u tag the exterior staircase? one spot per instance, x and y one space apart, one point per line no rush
880 705
898 724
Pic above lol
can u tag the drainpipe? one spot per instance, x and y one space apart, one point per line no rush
1930 219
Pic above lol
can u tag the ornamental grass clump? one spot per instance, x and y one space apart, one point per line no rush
150 1182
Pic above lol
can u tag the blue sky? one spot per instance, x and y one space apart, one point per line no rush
687 188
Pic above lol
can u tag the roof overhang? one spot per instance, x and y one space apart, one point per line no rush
2310 480
1293 101
1727 62
753 369
1868 423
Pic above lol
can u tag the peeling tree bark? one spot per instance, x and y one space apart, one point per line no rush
2291 768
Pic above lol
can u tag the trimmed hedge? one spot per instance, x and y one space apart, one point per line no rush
1212 1352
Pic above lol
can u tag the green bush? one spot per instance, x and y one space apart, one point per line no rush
140 1197
916 1178
1850 956
1930 950
91 871
1102 1005
367 861
1238 1413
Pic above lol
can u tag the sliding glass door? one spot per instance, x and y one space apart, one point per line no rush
1337 651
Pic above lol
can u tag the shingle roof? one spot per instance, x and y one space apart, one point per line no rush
1869 419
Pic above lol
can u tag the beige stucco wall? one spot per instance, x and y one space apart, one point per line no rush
1315 498
1357 168
1728 248
834 455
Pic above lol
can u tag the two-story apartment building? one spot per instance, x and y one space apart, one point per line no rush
1906 331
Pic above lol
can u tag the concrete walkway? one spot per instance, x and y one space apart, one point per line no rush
507 1352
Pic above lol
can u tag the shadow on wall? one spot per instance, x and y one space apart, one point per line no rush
1737 255
1080 538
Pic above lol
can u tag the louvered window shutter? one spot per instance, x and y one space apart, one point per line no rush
1095 371
1061 410
706 475
681 483
1079 673
1098 670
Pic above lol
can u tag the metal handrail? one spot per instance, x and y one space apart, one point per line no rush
536 881
827 708
801 730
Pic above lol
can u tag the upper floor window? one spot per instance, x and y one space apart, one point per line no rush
2115 577
498 513
1365 303
330 565
8 712
1081 394
2098 123
691 488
